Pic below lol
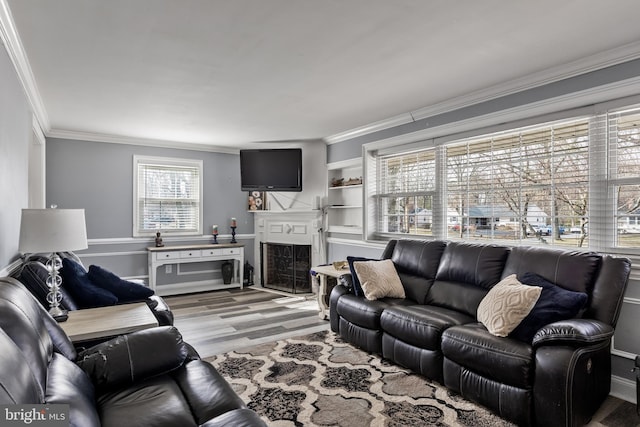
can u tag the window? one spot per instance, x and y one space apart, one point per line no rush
528 184
167 196
406 190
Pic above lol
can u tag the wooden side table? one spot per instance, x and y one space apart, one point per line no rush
102 322
321 273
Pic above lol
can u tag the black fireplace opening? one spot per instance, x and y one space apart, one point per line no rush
285 267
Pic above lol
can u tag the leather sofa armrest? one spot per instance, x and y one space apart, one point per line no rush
129 358
573 332
161 310
338 290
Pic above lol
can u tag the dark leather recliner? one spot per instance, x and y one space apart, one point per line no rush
147 378
560 378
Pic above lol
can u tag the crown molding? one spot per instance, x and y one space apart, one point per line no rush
592 100
118 139
591 63
11 40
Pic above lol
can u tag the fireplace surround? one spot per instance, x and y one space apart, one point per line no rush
287 245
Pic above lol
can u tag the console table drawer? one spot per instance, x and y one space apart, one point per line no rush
167 255
190 254
231 251
212 252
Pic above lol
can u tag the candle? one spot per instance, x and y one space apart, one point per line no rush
233 222
215 229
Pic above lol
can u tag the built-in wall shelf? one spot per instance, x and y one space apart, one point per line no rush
345 187
344 204
345 229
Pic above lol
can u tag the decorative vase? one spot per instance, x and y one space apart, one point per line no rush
248 274
227 272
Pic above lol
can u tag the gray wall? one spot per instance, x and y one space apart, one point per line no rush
98 177
15 136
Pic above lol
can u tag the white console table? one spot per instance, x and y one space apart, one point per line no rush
159 256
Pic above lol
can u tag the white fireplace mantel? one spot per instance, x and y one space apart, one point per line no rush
295 227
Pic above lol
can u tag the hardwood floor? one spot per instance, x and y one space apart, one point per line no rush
221 321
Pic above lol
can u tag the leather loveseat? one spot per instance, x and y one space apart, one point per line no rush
147 378
559 377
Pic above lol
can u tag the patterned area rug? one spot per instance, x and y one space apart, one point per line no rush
320 380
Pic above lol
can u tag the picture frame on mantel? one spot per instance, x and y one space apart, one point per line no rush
257 201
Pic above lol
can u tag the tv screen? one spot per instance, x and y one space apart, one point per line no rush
276 169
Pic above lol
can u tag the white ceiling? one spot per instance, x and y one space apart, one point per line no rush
232 72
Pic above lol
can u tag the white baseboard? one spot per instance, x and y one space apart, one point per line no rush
623 388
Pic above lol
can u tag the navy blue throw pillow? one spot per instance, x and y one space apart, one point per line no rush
125 290
555 304
87 295
357 287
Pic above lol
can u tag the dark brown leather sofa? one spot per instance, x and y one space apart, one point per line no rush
560 378
147 378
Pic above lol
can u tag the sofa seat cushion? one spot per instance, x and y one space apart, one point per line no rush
421 325
157 401
366 313
503 360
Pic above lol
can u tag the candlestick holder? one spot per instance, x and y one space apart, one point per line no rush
215 239
233 235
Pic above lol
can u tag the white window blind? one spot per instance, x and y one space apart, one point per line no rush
624 149
405 192
168 196
525 185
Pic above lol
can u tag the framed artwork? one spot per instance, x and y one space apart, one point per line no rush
257 201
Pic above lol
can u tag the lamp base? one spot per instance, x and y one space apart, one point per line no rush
59 314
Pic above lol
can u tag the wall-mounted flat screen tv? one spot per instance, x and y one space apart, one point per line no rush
275 169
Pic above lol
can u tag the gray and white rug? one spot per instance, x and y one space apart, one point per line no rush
320 380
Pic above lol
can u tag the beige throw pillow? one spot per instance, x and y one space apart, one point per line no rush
379 279
506 304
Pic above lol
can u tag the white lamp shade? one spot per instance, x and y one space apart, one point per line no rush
52 230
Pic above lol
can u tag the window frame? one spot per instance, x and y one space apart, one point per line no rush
166 162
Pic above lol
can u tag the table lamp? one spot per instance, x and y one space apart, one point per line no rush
52 231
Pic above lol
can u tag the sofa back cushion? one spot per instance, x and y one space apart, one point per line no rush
572 270
467 270
416 262
608 291
33 275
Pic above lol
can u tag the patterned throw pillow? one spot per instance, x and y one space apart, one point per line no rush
506 304
379 279
357 287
